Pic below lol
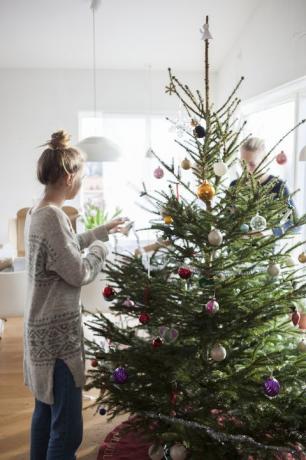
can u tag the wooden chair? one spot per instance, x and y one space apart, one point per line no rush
71 212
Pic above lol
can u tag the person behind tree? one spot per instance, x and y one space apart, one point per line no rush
252 153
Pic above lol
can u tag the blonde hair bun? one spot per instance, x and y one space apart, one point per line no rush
60 140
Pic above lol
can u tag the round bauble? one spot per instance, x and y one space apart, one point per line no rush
203 281
302 258
271 387
157 342
212 306
258 223
156 453
302 346
144 318
295 318
290 261
184 273
186 164
199 132
206 191
215 237
281 158
109 293
158 173
128 303
178 452
274 269
218 353
220 168
168 220
244 228
120 375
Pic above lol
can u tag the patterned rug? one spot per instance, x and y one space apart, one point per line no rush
119 445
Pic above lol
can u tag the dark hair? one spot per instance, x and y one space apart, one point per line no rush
58 159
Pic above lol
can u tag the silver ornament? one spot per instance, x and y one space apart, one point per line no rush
302 346
156 454
215 237
178 452
218 353
258 223
220 168
273 269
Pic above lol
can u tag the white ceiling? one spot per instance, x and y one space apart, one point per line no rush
130 33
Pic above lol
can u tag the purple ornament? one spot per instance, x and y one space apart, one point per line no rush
158 173
128 303
212 306
120 375
271 387
102 411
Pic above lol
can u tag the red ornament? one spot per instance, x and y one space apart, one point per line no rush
144 318
173 397
157 342
184 272
109 293
94 363
296 316
281 158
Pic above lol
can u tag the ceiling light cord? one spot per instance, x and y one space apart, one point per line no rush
94 62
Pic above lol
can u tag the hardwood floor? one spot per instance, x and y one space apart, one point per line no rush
16 404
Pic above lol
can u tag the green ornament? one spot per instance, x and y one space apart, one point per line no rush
244 228
205 282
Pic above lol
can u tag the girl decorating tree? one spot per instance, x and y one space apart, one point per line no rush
53 337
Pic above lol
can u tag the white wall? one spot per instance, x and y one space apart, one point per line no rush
34 103
270 51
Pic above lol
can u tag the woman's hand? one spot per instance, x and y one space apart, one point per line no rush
114 226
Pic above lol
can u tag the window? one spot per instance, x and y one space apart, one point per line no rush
118 184
270 116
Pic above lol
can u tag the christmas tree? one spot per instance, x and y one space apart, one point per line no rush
212 364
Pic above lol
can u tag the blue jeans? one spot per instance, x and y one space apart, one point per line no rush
57 430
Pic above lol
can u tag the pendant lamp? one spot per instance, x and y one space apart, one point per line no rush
97 148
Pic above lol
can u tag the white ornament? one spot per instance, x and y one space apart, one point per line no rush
220 168
218 353
302 346
156 454
215 237
258 223
178 452
273 269
290 261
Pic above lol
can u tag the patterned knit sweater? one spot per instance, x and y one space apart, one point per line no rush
56 271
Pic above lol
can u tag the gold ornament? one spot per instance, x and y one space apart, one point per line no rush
168 220
194 122
206 191
302 258
186 164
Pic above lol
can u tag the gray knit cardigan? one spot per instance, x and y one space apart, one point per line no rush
56 271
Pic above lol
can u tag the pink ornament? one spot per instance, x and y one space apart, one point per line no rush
158 173
212 306
295 318
281 158
128 303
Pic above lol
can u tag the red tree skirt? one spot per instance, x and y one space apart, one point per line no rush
123 446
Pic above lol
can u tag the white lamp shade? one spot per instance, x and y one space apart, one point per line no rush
303 154
99 149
